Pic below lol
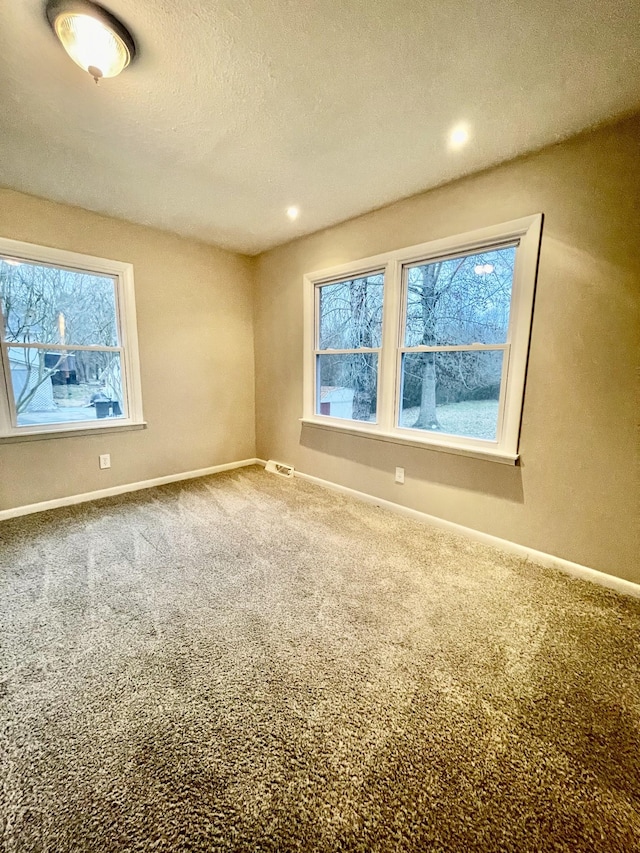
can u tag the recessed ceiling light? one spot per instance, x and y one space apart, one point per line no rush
293 212
459 136
483 269
95 40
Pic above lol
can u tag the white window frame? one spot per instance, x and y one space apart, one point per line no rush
354 351
525 233
122 274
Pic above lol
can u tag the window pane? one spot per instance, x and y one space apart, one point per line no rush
460 301
351 313
348 386
452 392
42 304
65 386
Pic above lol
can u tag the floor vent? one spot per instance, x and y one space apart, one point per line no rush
279 468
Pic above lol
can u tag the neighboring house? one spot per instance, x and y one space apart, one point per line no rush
42 400
336 402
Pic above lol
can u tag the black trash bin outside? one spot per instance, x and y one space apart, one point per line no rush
102 408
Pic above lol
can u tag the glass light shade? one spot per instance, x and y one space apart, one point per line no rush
92 44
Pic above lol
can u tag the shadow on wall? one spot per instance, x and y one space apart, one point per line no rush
434 466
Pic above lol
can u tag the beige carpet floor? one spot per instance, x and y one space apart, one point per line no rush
248 663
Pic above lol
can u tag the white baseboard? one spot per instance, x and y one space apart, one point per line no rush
540 557
14 512
575 569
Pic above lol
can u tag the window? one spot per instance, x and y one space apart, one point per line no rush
68 345
350 337
427 345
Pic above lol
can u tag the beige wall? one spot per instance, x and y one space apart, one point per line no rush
576 493
195 328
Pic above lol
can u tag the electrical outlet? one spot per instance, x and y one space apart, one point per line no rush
105 460
399 475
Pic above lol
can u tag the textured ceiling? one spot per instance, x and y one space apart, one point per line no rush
236 109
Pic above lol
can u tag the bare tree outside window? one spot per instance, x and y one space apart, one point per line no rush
350 324
456 318
450 370
456 310
61 335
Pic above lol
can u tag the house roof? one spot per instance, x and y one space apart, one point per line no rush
233 111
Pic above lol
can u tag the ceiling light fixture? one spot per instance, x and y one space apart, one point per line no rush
293 213
483 269
95 40
459 136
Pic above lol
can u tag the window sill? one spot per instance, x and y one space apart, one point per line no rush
394 438
42 435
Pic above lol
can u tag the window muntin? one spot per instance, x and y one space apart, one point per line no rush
349 340
478 346
67 344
